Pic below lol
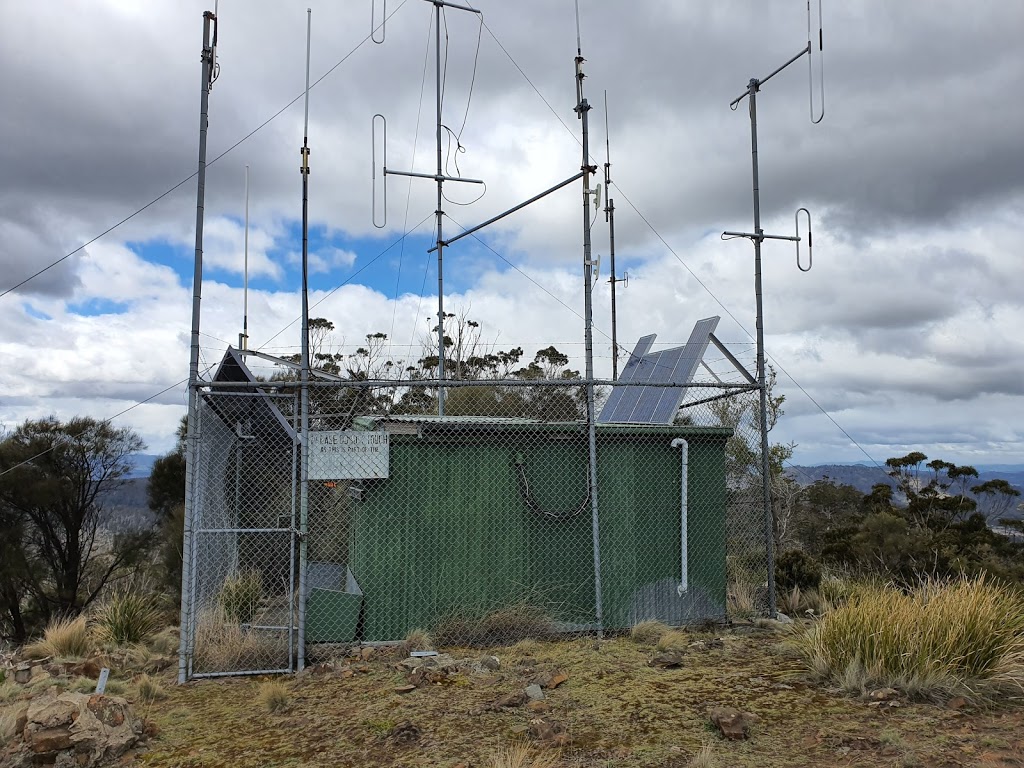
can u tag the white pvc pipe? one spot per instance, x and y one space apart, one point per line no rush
684 513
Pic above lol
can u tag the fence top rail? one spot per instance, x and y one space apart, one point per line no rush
270 388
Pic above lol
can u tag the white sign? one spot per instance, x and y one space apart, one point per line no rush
345 454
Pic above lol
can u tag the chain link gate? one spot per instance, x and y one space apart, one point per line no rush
478 528
241 582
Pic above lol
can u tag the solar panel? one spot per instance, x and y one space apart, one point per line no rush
654 403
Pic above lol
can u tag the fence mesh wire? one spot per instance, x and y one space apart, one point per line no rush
501 520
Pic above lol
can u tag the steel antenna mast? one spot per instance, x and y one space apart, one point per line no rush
209 74
757 237
243 337
582 112
304 388
609 217
440 178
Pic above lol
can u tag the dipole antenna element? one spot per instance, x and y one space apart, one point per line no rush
380 123
757 237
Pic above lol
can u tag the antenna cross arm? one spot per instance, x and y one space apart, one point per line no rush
434 176
445 4
756 84
762 236
523 204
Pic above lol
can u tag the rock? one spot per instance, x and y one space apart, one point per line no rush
490 663
367 653
884 694
732 723
535 692
405 689
667 660
539 707
23 674
76 729
782 618
515 699
150 729
716 643
957 702
551 680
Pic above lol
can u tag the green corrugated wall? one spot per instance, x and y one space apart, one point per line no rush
448 533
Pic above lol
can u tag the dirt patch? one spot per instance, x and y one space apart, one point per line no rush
613 709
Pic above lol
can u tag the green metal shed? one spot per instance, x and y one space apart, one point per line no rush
474 515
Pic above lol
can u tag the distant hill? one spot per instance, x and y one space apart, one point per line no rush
863 477
125 507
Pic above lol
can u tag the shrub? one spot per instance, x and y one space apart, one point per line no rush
63 638
128 616
273 696
963 636
239 596
647 632
796 569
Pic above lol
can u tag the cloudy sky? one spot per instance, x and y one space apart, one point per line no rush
908 330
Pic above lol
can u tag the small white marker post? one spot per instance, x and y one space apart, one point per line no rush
101 684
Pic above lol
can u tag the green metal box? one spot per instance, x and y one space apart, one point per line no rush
478 515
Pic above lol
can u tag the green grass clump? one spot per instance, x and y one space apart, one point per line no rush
66 638
128 616
240 595
647 632
273 696
962 636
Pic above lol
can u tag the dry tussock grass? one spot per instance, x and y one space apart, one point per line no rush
647 632
222 645
964 636
521 756
273 696
66 638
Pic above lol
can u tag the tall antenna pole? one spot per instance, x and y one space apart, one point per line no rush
582 111
304 390
609 216
243 339
192 455
440 217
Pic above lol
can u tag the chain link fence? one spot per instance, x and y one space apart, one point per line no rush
511 516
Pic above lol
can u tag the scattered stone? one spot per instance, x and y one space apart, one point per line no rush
782 687
551 680
732 723
405 688
405 732
515 699
782 618
490 663
667 660
535 692
362 669
539 707
715 643
884 694
367 653
150 729
23 674
957 702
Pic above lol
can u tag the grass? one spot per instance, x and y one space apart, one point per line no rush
416 640
705 758
964 636
647 632
66 638
8 720
742 599
165 643
222 645
501 627
128 616
673 640
521 756
149 689
239 596
273 696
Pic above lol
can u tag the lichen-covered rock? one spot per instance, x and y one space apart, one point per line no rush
76 729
